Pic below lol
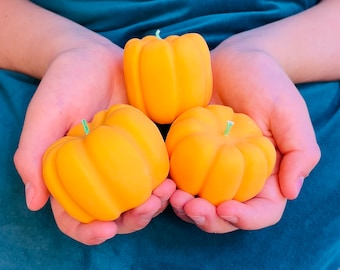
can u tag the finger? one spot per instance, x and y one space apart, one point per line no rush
254 215
295 138
164 192
93 233
48 118
205 217
200 212
28 165
178 200
295 167
264 210
139 217
40 130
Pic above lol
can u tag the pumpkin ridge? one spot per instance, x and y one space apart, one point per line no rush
191 90
205 63
118 200
100 186
173 67
211 165
140 91
250 186
188 124
267 149
77 168
158 92
234 165
98 192
55 186
212 188
59 155
131 67
148 141
184 168
177 79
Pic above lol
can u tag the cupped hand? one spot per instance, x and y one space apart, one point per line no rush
97 232
252 82
77 84
262 211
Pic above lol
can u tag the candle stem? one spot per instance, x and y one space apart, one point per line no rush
158 34
228 127
85 126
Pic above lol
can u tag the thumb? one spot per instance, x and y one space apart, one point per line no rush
42 127
295 138
28 164
295 167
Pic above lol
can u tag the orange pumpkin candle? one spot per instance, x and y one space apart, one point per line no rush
219 155
165 77
108 168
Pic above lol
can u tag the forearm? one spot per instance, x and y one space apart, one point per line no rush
31 37
305 45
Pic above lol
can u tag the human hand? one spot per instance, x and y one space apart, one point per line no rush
252 82
96 232
77 84
263 210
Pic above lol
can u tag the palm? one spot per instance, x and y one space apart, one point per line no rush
253 83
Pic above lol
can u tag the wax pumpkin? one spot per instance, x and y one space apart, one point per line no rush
219 155
165 77
113 168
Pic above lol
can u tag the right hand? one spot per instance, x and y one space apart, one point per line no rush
77 84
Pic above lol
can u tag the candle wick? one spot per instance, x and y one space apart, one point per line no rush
158 34
85 127
228 127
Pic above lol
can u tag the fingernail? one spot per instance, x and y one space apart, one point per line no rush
29 194
231 219
103 239
106 234
164 203
199 220
299 185
146 217
178 211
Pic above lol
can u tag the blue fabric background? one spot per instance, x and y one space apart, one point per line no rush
307 237
214 19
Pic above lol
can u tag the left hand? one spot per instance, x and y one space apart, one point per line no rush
262 211
253 83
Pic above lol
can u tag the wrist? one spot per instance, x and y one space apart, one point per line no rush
46 37
88 48
90 65
238 67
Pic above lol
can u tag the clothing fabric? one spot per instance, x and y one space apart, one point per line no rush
307 236
214 19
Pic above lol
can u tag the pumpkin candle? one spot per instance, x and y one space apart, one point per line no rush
219 161
165 77
108 166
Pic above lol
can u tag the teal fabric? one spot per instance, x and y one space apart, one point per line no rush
308 235
214 19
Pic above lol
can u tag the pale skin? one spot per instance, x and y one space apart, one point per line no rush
254 72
